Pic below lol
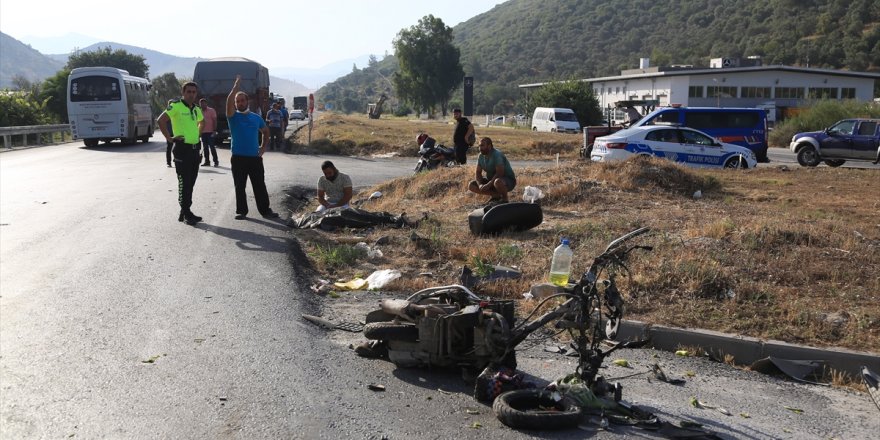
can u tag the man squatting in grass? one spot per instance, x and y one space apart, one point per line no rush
499 179
186 124
247 156
334 188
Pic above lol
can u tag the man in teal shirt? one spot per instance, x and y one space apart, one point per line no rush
247 153
186 123
499 178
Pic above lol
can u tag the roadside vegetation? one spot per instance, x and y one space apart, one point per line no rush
782 253
820 115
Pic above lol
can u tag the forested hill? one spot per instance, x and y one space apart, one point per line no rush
533 40
523 41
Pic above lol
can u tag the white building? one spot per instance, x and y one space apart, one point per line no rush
728 83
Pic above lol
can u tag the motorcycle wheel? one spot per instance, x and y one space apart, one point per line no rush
419 168
536 409
389 331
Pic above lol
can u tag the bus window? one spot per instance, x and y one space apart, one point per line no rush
95 88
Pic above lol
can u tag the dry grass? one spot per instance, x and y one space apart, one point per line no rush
357 135
770 253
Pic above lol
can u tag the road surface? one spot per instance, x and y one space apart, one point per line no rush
117 321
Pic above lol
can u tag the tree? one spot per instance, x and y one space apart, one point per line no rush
165 87
576 95
20 108
54 93
136 65
430 65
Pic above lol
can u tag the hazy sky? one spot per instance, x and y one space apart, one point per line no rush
289 33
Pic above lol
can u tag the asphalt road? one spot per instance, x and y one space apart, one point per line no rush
116 321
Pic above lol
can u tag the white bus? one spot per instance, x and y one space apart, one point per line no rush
105 103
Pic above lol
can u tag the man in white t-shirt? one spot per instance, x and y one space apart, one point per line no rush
334 188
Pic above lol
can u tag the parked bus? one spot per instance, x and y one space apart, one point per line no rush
105 103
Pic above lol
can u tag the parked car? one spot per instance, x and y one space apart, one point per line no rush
498 120
297 114
849 139
746 127
678 144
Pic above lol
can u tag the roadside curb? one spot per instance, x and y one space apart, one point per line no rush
745 350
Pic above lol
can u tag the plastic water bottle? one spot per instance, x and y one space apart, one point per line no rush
560 266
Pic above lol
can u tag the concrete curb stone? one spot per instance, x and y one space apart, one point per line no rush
745 350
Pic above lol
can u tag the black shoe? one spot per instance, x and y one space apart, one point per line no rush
191 219
169 165
270 214
206 164
181 217
216 164
240 216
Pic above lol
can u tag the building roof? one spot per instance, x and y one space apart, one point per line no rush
652 73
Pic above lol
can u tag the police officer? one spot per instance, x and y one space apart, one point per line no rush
186 121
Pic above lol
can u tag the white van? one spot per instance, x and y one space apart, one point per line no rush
557 120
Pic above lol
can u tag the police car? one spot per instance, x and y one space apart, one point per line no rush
678 144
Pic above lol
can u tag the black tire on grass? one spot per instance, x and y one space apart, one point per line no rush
522 409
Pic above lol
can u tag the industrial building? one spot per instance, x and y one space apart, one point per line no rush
729 82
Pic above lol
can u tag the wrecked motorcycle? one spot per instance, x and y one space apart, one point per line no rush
451 326
433 155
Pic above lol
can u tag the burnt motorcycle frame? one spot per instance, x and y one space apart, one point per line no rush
455 327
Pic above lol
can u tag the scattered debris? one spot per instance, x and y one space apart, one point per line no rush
872 381
476 425
355 284
376 387
702 405
469 279
542 290
795 369
621 363
660 375
532 194
472 412
152 359
698 194
794 410
381 278
322 287
330 325
681 353
370 252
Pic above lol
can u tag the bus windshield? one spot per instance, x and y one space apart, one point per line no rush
95 88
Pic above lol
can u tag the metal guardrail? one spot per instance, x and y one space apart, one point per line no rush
26 130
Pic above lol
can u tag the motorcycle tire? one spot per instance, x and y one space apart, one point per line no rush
389 331
536 409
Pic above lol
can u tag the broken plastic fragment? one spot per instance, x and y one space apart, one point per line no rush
794 410
621 363
376 387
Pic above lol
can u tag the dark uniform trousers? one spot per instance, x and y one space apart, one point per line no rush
187 158
242 168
